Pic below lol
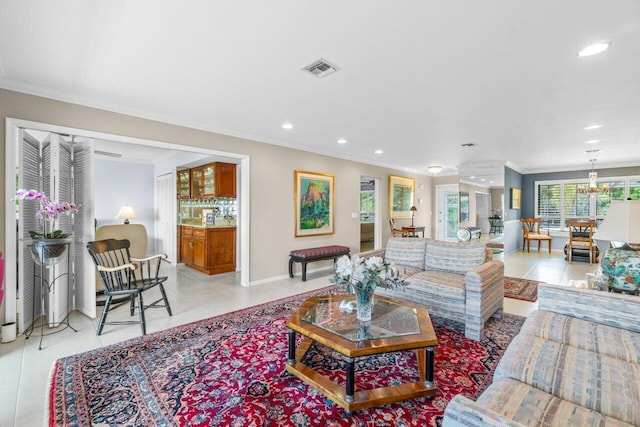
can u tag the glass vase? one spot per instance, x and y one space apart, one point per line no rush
364 302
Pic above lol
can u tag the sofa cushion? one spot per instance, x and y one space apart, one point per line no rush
453 256
441 292
451 283
406 251
615 342
532 407
406 271
595 381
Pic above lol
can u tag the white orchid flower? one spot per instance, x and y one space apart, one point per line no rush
344 266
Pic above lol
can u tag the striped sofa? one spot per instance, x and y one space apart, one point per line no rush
454 280
576 362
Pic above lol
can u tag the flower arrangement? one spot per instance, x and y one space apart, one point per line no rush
362 276
359 273
49 212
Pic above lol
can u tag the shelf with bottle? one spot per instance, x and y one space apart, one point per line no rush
193 211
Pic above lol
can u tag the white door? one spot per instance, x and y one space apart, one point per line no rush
483 209
165 211
448 211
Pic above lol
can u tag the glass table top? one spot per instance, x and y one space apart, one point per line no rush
389 319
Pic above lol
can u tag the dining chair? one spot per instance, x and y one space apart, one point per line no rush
125 276
396 232
581 237
531 231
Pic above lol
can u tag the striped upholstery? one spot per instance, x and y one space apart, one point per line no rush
585 378
618 310
533 407
576 361
441 292
615 342
406 251
454 256
447 291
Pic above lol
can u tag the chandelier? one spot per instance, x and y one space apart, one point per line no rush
593 189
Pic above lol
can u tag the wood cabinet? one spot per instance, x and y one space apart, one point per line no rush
186 245
225 180
209 250
213 180
184 184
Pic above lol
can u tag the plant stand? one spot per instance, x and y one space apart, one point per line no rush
46 254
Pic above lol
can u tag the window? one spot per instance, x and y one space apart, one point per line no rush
560 201
367 206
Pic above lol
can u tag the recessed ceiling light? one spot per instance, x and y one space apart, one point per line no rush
342 141
490 182
594 49
472 177
378 152
592 127
287 126
482 179
434 169
592 141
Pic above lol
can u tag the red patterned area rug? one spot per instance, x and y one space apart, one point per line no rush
522 289
229 371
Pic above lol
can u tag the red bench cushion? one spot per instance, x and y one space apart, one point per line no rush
323 251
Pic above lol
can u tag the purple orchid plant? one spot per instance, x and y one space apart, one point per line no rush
49 212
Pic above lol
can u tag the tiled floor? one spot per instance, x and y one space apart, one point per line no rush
24 370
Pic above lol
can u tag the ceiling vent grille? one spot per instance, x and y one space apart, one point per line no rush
321 68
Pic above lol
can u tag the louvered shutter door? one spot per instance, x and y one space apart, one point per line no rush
28 178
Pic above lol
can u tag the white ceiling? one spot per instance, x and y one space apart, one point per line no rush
417 78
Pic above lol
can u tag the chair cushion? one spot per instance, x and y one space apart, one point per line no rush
454 256
534 236
407 251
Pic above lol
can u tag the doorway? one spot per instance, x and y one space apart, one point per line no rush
369 214
13 142
448 208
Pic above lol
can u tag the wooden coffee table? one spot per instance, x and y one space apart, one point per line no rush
395 326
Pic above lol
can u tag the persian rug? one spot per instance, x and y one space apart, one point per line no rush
229 370
521 289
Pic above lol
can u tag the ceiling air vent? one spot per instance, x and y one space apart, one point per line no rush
321 68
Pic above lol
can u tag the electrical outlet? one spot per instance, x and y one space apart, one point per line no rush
354 215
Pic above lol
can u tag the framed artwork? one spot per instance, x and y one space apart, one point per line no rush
515 198
313 199
401 191
464 207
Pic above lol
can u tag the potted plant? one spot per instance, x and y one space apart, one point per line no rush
47 246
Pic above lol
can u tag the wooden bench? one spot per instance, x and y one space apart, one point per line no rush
305 256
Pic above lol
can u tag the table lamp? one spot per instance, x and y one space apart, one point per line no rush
622 224
126 213
413 213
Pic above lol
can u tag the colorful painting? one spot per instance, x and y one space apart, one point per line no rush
313 203
401 192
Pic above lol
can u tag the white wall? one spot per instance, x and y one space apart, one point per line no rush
125 183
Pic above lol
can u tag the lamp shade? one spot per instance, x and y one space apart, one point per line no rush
126 213
622 223
413 208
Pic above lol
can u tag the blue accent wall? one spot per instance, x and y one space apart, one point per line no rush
512 179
